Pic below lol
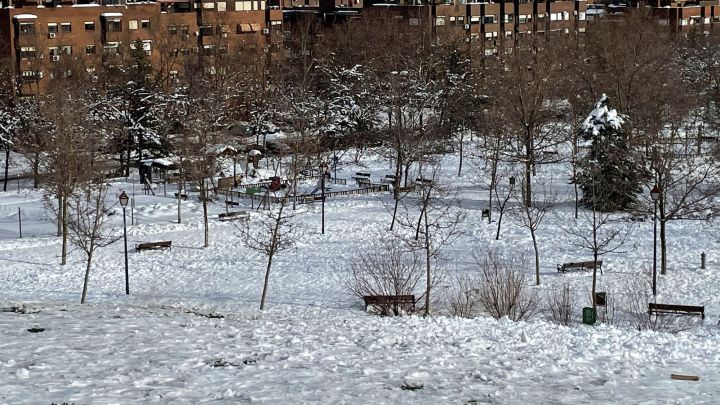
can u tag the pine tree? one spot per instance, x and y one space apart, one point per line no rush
612 173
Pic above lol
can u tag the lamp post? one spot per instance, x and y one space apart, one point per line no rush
655 195
323 170
124 202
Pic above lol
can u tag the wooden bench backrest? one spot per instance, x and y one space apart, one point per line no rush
674 307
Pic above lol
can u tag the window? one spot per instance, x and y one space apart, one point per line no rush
172 30
28 52
223 50
508 18
440 21
183 29
221 6
27 28
66 50
89 49
111 48
52 28
489 19
208 6
184 51
132 25
54 51
243 6
89 26
206 30
145 24
114 26
65 27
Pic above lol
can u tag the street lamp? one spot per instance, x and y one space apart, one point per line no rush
655 195
323 170
124 202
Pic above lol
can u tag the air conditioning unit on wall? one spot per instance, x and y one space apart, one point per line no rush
52 35
467 26
55 58
266 31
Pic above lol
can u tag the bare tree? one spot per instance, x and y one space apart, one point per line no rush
530 214
599 234
269 234
86 221
437 225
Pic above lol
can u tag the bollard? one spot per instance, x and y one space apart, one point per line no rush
702 261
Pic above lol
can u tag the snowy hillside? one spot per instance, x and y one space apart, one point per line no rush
190 331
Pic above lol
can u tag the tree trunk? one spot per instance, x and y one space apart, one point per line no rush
267 281
59 217
537 257
179 198
663 247
63 209
460 164
528 187
427 266
7 167
203 193
594 281
87 275
497 235
36 171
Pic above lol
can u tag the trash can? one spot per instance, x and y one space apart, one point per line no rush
588 316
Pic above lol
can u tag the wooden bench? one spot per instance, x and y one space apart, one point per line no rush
676 309
233 215
423 182
390 303
361 178
389 179
232 203
166 244
309 199
561 268
183 196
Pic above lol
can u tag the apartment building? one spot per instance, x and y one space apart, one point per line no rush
491 21
38 35
683 16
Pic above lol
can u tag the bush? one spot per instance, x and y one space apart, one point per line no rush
462 300
503 289
561 305
386 269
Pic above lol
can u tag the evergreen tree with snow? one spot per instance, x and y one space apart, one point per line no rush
611 174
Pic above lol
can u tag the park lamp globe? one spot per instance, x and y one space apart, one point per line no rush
123 199
655 193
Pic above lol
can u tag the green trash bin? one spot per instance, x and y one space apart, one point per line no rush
589 316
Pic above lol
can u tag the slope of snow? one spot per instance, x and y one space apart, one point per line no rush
315 344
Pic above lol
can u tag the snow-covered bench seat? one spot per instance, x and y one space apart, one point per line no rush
561 268
165 244
656 309
388 304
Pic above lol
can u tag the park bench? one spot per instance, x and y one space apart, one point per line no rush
389 179
232 216
309 199
232 203
362 178
423 182
676 309
390 303
561 268
166 244
182 196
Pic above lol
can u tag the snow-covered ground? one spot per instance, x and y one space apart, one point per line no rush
315 343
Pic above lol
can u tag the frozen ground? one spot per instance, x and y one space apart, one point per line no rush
315 344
